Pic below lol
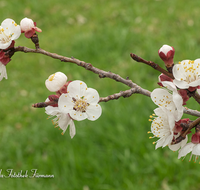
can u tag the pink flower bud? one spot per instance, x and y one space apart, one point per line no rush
28 27
166 53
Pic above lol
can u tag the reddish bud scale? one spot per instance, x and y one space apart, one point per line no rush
63 89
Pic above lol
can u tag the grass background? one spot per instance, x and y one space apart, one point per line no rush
114 152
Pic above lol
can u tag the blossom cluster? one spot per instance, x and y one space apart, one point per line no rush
167 122
9 32
73 101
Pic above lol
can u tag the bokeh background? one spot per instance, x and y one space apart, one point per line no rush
114 152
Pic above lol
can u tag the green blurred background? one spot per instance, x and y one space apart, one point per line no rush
114 152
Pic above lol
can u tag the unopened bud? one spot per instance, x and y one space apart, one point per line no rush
166 53
28 27
56 81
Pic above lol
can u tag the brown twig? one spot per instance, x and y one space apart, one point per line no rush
183 135
78 62
134 87
152 64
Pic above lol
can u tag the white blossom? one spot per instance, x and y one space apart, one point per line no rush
55 81
62 120
186 74
9 31
162 126
168 98
80 102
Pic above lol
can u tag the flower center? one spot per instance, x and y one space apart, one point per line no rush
80 104
191 70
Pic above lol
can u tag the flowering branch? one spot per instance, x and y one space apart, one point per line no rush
74 101
87 66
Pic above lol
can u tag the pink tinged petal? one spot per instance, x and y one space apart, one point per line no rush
77 115
29 33
72 129
93 112
91 96
3 71
186 149
181 84
65 103
77 88
196 150
37 29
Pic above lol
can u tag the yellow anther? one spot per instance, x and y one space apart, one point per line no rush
51 77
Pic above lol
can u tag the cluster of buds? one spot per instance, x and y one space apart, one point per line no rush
73 101
167 122
9 32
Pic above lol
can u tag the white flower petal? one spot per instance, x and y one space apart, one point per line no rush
72 129
3 71
162 97
77 88
91 96
165 49
168 140
160 142
77 115
93 112
50 110
179 72
195 83
175 147
181 84
65 103
186 149
196 150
